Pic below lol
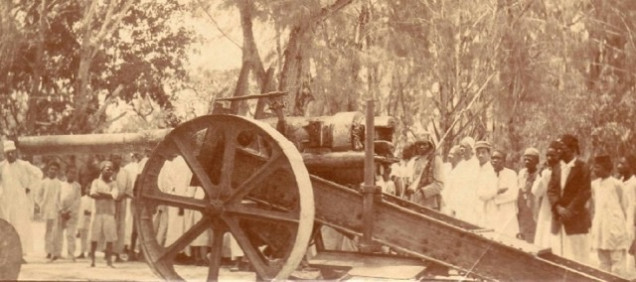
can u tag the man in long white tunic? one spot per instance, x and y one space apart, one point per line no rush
48 199
504 202
17 178
165 183
125 186
467 204
133 170
542 233
485 187
609 224
180 180
448 195
626 169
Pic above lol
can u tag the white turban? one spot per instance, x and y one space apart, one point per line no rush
8 146
467 142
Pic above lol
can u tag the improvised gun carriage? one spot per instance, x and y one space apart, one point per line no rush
271 190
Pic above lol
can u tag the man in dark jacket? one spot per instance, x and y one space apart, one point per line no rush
569 190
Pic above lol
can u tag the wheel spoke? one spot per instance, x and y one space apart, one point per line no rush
276 161
209 141
255 213
185 239
214 263
234 160
253 254
229 152
175 201
194 165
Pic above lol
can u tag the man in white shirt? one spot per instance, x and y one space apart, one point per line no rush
48 198
455 155
463 183
485 187
124 184
17 178
626 169
504 203
70 196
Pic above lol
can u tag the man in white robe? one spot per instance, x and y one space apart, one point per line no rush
504 202
180 180
17 178
160 219
485 187
542 235
48 199
124 184
455 155
467 204
609 224
132 169
626 169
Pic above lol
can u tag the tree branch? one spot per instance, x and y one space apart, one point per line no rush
326 12
479 92
216 24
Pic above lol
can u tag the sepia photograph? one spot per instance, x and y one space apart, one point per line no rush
317 140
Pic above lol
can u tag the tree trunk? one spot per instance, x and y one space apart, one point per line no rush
296 60
291 77
251 59
37 67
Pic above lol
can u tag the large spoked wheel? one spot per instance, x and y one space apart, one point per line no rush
254 186
11 252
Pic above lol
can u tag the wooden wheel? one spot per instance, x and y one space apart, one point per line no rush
11 252
256 188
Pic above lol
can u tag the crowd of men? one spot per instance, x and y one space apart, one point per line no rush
563 204
573 208
93 203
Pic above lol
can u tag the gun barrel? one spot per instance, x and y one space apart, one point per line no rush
90 143
340 132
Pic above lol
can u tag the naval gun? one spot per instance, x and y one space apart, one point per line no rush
271 184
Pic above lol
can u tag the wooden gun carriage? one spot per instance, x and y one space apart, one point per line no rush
271 190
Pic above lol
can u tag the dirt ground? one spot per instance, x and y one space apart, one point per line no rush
39 268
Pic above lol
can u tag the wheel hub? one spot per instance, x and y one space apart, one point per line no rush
215 208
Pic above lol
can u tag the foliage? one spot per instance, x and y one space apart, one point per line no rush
516 72
64 62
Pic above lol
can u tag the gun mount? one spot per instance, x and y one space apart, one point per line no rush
270 189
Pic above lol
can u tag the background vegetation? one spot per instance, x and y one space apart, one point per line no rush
516 72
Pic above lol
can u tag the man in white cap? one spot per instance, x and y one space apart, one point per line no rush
526 202
463 182
455 155
484 187
17 177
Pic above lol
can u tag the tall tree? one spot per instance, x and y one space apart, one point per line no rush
71 59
